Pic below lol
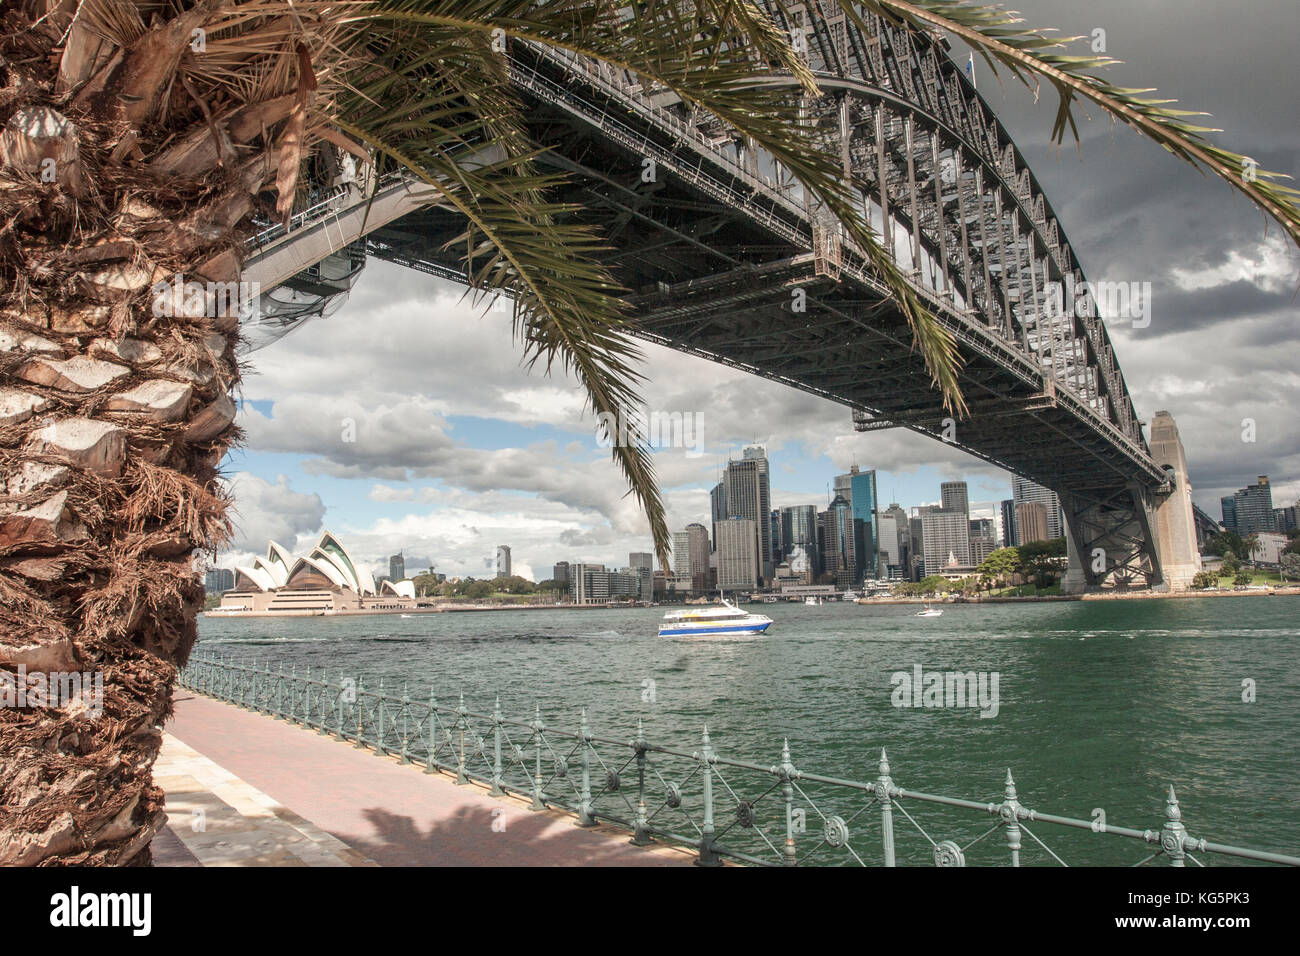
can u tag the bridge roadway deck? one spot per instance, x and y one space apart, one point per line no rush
351 805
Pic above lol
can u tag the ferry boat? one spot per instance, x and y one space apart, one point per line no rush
727 619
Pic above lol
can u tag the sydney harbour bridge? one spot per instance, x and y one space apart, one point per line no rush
727 259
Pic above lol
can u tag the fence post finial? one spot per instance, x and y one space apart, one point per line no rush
1010 814
1173 834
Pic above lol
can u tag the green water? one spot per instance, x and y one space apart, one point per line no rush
1101 704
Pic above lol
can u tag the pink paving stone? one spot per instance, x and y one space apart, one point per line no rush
396 815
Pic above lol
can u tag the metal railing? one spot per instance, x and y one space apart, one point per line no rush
725 808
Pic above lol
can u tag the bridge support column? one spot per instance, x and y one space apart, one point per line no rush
1109 538
1075 581
1175 527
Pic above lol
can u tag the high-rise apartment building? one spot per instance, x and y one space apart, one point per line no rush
560 574
503 561
397 567
1252 509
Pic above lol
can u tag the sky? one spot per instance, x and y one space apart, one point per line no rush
406 421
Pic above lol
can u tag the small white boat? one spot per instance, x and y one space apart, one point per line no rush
812 601
727 619
406 615
929 612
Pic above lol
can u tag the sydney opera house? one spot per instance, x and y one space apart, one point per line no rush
326 580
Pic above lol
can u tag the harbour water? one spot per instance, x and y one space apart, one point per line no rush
1100 705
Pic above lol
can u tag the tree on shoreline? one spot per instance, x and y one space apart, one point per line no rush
143 142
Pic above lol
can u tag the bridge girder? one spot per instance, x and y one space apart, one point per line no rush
714 253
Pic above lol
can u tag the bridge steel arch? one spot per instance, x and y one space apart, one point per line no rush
719 251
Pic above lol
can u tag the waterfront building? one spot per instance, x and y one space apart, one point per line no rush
1031 522
218 580
1251 509
1269 546
324 579
589 583
738 554
947 541
748 496
1024 490
503 560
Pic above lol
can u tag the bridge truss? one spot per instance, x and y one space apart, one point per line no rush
729 260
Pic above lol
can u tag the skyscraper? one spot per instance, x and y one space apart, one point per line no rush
1022 489
560 574
1228 504
738 553
1032 523
681 544
955 497
397 567
503 561
947 540
866 526
1009 539
836 534
641 559
983 539
904 532
799 535
697 546
748 495
718 507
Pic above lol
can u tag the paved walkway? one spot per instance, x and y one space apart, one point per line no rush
269 793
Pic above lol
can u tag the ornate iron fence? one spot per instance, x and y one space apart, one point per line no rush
725 808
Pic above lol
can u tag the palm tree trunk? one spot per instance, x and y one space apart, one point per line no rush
115 411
